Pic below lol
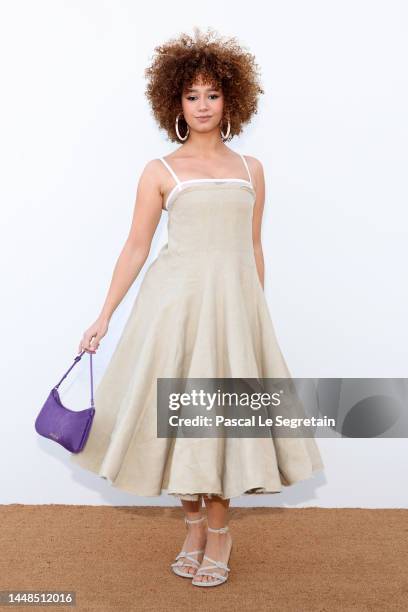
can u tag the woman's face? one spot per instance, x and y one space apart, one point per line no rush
203 106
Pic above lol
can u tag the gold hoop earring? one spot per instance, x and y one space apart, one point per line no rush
225 136
179 136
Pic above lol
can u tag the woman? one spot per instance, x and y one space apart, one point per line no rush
200 311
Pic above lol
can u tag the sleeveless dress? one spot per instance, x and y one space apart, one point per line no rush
200 312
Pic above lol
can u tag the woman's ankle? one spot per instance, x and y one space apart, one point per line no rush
193 515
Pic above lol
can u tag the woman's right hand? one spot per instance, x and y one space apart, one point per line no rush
93 335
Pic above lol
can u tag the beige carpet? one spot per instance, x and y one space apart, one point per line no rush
117 558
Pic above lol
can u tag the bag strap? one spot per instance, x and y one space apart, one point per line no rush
77 358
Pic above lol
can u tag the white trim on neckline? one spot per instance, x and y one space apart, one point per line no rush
203 180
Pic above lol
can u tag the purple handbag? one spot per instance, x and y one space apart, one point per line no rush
70 428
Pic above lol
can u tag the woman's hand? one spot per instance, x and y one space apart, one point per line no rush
93 335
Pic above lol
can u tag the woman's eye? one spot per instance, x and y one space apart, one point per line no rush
214 96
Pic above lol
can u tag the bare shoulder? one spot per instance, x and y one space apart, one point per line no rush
153 174
255 165
257 172
153 168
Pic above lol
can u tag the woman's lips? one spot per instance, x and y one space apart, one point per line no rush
203 119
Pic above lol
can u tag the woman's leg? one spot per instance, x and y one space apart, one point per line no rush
196 532
218 544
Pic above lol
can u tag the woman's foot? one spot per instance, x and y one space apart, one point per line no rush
214 567
188 560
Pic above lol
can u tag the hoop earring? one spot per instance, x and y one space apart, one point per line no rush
225 136
182 138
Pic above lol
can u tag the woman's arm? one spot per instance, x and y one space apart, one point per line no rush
146 216
258 180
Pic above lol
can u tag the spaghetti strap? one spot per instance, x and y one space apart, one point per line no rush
246 166
170 169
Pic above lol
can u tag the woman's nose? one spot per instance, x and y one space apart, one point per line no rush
203 103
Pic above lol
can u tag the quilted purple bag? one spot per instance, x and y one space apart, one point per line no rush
70 428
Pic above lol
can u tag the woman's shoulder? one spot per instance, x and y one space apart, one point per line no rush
254 164
154 162
153 174
153 166
255 161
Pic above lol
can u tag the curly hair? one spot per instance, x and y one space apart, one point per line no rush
220 61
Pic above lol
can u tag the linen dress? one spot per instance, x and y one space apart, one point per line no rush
200 312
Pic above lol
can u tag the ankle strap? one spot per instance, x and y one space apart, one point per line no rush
194 520
220 530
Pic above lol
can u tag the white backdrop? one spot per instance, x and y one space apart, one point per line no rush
76 131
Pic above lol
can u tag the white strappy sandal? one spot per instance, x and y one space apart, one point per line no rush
185 559
208 570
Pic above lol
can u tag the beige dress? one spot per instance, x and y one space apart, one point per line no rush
200 312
